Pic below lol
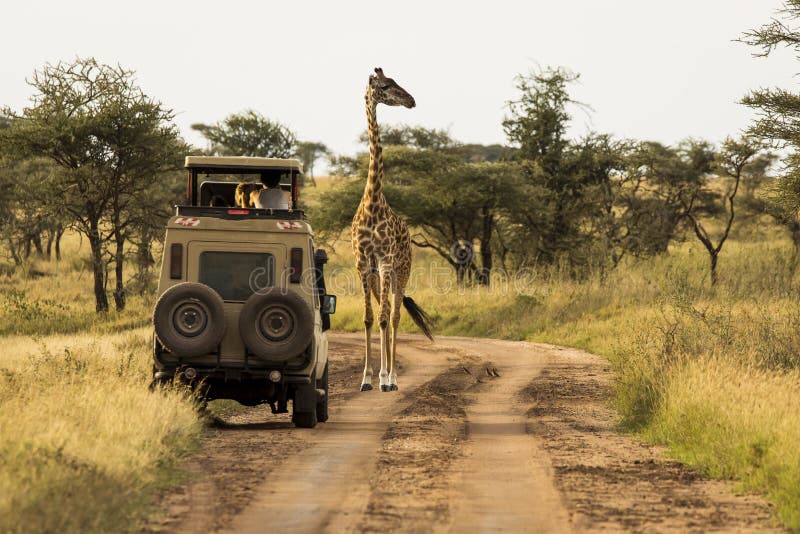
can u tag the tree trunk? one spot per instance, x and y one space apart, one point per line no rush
461 271
37 243
59 235
503 252
119 262
98 268
144 253
714 257
14 252
48 251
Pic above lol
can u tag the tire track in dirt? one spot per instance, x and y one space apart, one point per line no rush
609 480
238 453
327 486
503 481
456 450
410 486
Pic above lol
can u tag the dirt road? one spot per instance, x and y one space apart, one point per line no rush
483 436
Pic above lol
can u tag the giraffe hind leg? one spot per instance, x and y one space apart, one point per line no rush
383 320
397 300
368 284
402 273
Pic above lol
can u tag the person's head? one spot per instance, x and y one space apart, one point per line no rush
271 180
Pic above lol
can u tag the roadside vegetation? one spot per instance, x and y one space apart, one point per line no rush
83 442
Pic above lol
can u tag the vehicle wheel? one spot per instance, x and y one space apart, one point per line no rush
322 404
304 419
275 325
304 406
189 319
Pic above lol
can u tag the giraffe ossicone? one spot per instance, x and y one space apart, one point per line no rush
382 245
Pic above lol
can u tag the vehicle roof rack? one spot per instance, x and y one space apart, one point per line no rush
238 164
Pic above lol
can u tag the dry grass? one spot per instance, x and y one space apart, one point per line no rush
81 437
82 441
736 422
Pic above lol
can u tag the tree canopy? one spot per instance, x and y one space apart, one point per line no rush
309 153
778 109
248 133
547 199
110 143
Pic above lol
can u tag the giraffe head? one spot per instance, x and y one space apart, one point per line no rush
386 91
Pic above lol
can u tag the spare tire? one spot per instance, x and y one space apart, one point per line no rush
189 319
276 325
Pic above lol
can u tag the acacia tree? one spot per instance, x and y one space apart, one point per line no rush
140 146
539 118
248 133
309 152
660 177
24 230
557 171
450 204
418 137
730 162
108 140
778 109
34 220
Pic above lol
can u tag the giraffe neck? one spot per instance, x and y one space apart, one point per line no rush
373 192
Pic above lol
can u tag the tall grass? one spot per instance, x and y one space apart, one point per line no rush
735 421
83 442
48 297
81 437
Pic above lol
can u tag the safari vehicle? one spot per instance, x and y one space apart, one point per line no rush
242 308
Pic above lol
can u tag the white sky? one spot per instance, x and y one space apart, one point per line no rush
649 69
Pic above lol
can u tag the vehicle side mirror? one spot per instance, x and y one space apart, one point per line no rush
329 304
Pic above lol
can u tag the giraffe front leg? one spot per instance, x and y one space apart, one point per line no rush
366 381
383 319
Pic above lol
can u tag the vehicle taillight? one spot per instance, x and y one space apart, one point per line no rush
238 212
296 272
176 261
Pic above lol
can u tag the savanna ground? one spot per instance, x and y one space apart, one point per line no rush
710 373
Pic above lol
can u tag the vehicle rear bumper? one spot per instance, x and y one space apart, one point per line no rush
227 374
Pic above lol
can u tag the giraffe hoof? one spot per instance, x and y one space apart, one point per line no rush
393 387
386 388
366 387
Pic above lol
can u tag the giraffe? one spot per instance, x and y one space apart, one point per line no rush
382 245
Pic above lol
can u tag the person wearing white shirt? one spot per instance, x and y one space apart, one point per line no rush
272 197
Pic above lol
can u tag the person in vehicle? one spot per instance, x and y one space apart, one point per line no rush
245 193
272 197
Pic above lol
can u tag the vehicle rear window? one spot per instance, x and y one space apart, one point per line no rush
237 275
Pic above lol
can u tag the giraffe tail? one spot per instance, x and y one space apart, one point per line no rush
418 315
